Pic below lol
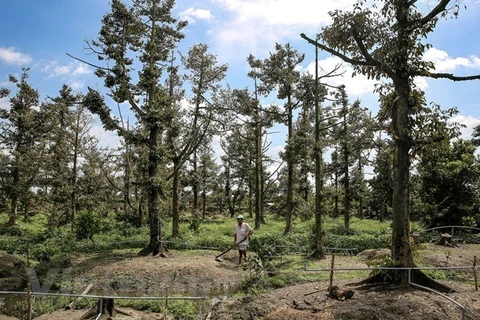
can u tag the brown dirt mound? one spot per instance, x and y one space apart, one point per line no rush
127 314
190 273
295 302
3 317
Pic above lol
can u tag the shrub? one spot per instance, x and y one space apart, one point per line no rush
87 224
360 242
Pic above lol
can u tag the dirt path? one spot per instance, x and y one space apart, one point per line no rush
186 272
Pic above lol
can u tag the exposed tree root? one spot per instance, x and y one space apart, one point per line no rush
417 277
447 240
157 249
108 309
317 255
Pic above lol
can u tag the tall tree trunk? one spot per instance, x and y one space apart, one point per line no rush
26 207
289 215
335 210
195 184
175 202
401 248
73 196
12 219
346 184
228 190
153 192
139 200
262 194
360 199
251 184
204 194
306 191
258 171
319 253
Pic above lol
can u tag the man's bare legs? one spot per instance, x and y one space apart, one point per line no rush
241 254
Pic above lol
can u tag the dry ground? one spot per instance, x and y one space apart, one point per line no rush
197 273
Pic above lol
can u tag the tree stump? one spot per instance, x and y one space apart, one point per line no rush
446 240
416 238
340 294
104 306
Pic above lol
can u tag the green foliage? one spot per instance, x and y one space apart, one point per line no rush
363 234
183 309
194 225
180 309
447 185
360 242
87 224
42 252
13 231
382 261
51 304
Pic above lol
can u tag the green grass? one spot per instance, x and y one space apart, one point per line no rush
44 241
278 261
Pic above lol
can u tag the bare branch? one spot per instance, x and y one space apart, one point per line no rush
90 47
333 73
441 6
336 53
364 50
451 76
134 105
87 63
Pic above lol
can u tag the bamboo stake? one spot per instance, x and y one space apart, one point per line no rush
331 275
87 289
475 272
29 301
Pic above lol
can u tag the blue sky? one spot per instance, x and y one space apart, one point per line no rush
38 33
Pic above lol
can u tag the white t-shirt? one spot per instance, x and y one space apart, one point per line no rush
241 232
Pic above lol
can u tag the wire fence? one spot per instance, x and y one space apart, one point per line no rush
102 299
279 250
463 309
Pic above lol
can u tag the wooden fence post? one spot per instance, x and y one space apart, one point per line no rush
331 274
29 301
475 272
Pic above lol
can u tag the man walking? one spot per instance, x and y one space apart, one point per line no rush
240 238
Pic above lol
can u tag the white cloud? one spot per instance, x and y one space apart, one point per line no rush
192 14
106 139
355 86
421 83
283 12
255 25
444 63
217 149
54 69
12 56
469 121
4 103
77 85
80 69
69 73
273 153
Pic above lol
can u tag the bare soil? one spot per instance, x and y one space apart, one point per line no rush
196 273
